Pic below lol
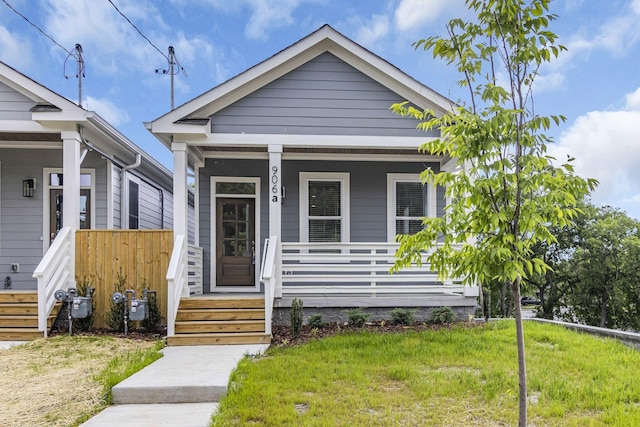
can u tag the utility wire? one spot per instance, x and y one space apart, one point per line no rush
136 28
38 28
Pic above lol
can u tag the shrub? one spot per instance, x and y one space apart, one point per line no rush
296 317
441 315
357 317
315 321
114 318
153 321
402 316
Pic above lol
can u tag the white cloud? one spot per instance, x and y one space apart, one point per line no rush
15 50
414 13
267 15
606 145
548 82
633 101
107 110
372 30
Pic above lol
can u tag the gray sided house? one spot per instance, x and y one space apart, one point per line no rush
304 177
64 168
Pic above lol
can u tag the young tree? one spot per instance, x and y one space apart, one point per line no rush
506 191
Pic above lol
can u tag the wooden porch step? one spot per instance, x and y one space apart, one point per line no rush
20 334
23 321
220 319
220 338
220 302
232 326
19 309
7 296
221 314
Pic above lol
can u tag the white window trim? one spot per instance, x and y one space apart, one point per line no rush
135 179
46 202
345 201
212 223
392 179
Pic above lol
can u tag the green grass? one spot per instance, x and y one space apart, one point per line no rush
455 377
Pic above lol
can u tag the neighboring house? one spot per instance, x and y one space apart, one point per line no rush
65 168
304 177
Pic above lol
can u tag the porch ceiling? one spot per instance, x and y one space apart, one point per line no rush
30 136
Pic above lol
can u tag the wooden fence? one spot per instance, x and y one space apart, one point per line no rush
140 256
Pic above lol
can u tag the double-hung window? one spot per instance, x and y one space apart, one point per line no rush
408 201
324 207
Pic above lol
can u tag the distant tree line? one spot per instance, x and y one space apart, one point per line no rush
594 277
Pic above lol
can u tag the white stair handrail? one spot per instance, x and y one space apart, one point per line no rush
176 281
268 277
54 272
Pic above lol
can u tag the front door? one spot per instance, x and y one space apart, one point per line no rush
235 242
55 211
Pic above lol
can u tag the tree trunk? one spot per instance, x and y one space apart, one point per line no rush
604 309
503 300
522 366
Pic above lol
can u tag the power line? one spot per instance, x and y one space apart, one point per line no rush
136 28
37 28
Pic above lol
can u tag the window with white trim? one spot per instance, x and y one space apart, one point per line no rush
408 201
324 207
134 205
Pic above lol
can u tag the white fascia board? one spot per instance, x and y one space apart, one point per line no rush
315 141
26 126
62 119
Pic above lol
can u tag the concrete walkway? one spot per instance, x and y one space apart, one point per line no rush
181 389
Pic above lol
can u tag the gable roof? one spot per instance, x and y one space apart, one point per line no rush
326 39
53 113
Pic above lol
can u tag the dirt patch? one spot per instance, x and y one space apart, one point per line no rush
52 382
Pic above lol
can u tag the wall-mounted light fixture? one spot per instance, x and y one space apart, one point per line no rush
28 187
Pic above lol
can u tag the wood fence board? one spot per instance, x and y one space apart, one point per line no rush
140 255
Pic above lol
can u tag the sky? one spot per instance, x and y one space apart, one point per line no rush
595 84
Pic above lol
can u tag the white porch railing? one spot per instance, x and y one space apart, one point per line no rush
54 272
194 272
176 281
268 277
357 268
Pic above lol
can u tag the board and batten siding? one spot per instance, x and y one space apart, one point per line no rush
368 197
14 105
325 96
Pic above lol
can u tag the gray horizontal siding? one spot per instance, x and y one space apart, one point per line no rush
21 217
14 105
325 96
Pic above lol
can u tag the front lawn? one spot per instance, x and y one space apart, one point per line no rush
463 376
62 381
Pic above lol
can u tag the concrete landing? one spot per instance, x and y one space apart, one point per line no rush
177 389
153 415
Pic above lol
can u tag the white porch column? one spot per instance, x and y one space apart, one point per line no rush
71 192
275 209
180 193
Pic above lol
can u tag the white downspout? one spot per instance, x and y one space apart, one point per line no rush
123 193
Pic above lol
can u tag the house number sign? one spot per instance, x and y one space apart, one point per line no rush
275 178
